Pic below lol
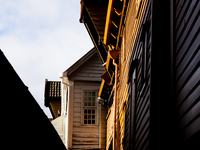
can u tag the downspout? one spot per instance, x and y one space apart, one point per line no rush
64 105
114 54
64 85
115 108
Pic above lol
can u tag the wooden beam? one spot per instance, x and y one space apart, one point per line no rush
107 21
106 77
114 53
94 35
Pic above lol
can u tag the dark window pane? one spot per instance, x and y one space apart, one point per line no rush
93 99
93 93
93 111
93 103
93 121
89 99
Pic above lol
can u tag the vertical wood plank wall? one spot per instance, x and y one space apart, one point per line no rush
187 66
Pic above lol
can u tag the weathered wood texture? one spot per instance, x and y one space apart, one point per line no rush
103 127
86 136
110 127
52 97
187 66
86 75
59 125
89 71
55 106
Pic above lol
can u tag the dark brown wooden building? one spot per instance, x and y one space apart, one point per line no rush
52 97
150 51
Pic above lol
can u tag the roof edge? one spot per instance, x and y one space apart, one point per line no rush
81 61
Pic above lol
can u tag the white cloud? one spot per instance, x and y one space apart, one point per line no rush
42 38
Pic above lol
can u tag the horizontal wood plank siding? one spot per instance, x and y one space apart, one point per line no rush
142 102
85 136
187 66
59 125
136 134
89 71
86 77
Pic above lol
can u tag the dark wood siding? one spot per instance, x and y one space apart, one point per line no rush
53 97
187 70
142 104
141 99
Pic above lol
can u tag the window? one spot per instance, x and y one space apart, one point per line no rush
144 57
89 108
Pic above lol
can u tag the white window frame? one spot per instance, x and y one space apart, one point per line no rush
92 107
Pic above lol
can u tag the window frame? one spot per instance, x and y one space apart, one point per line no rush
89 107
144 57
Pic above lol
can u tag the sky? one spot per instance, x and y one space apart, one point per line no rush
42 38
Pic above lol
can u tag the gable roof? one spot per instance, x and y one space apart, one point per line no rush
93 15
87 68
80 62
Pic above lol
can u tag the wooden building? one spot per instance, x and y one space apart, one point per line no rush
85 117
82 122
24 125
52 99
52 95
150 50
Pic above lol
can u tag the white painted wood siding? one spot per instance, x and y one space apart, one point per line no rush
91 70
87 77
59 125
83 136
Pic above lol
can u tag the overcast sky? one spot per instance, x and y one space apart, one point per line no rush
42 38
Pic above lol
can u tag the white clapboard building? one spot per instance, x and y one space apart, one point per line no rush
82 123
